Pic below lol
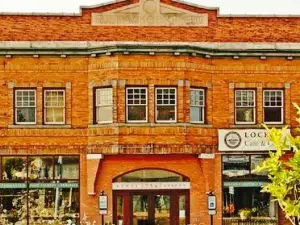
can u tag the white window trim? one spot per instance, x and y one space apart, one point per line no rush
282 107
15 107
203 107
156 111
127 105
64 107
254 107
112 105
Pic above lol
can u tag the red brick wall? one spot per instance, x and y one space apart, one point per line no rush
220 29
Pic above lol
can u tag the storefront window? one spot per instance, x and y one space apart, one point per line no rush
242 187
50 199
13 206
66 167
40 167
48 205
14 168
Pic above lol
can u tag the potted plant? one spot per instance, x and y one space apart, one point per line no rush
245 213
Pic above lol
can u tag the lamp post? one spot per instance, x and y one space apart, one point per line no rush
211 205
102 204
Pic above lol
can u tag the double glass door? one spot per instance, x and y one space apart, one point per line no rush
151 208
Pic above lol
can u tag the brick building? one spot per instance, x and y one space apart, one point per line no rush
154 103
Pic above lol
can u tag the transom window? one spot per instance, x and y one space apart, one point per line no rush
245 107
166 108
197 105
273 106
25 106
54 106
136 104
104 105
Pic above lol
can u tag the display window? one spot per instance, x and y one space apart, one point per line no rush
39 190
242 196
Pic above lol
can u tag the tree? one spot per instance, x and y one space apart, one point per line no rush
283 169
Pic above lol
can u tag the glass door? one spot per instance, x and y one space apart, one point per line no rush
162 210
140 210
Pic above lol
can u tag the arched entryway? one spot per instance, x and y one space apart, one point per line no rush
151 197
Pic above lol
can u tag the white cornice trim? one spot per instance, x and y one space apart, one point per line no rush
83 45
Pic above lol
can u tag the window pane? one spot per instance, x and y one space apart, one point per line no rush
166 113
14 168
236 166
197 97
104 114
54 115
40 167
13 206
182 210
137 113
54 206
196 114
104 97
244 114
66 167
272 114
26 115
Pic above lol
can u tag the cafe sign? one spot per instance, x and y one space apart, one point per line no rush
150 185
245 140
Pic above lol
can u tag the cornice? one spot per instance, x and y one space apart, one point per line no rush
94 48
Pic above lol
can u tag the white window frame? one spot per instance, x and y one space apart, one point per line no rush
282 106
156 105
15 106
97 90
127 105
254 106
45 107
199 106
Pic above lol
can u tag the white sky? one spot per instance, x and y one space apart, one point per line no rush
226 6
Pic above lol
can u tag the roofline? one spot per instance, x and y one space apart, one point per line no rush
217 9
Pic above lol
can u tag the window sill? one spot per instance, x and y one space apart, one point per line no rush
151 125
257 125
30 126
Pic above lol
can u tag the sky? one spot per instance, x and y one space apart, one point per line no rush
257 7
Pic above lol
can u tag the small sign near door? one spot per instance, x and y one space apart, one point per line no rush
103 204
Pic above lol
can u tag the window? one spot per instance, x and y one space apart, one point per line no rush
245 107
136 104
39 189
25 106
197 102
104 105
165 104
273 106
54 106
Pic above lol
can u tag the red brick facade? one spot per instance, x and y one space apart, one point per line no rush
175 146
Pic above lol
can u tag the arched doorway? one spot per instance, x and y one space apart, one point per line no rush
151 197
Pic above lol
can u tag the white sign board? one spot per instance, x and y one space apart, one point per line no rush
103 204
150 185
245 140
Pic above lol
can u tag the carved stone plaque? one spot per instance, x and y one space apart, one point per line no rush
149 13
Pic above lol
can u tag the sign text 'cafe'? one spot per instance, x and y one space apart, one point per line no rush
245 140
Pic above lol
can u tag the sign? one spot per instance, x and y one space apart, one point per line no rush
149 13
231 190
211 202
244 184
53 185
212 212
102 204
150 185
245 140
13 185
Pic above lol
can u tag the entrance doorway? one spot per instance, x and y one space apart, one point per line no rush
151 202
